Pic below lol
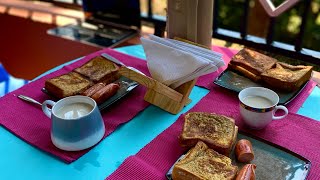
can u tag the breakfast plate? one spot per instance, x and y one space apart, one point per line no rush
272 161
233 81
126 86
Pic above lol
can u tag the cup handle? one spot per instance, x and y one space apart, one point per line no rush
47 111
276 109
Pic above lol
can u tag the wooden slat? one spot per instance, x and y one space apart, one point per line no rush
168 104
185 89
151 83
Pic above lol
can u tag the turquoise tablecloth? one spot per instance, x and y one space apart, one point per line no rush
20 160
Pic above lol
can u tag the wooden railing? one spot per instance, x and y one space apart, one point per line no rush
295 50
268 43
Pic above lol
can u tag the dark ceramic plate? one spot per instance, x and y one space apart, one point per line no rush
126 86
236 82
272 161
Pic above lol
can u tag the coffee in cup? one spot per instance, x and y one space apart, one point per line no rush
76 122
258 106
74 110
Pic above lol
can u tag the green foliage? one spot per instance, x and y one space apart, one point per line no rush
230 13
287 24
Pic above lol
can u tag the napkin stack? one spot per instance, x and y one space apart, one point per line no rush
174 62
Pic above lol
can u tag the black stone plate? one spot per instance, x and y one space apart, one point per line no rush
272 161
233 81
126 86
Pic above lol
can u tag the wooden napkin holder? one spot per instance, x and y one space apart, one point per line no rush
158 94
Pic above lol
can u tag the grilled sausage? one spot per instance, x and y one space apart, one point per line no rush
93 89
105 92
247 172
244 151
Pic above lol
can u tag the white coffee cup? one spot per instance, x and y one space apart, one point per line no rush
258 106
76 122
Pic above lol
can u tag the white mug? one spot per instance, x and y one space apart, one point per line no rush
76 122
258 106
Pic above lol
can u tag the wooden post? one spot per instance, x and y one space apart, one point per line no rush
259 20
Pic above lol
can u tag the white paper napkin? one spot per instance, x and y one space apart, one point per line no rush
173 62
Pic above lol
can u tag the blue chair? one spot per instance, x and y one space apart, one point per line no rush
4 77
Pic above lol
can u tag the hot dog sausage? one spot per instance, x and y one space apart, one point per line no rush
93 89
247 172
244 151
105 92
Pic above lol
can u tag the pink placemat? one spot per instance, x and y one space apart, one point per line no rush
28 122
206 81
296 133
155 159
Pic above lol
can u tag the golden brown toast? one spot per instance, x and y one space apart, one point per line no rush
252 61
99 69
261 68
286 77
202 163
217 131
67 85
234 140
245 72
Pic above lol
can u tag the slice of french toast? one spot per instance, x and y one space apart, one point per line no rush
203 163
217 131
286 77
99 69
245 72
67 85
251 63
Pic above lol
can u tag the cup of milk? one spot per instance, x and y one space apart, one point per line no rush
76 122
258 106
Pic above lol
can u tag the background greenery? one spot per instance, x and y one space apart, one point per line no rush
286 26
